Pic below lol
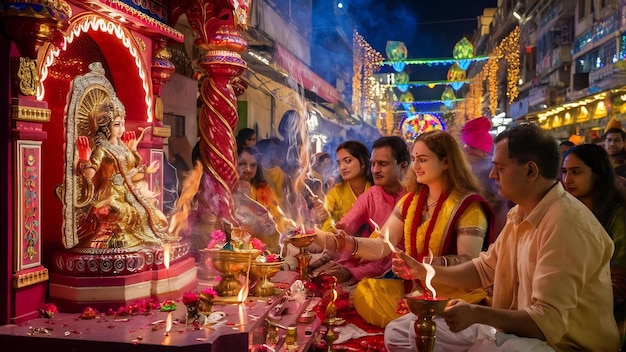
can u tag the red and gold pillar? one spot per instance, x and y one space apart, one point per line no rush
217 24
29 25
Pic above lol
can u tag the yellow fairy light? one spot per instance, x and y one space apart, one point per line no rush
365 88
509 50
492 80
510 47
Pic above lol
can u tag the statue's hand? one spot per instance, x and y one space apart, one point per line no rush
130 139
82 145
153 167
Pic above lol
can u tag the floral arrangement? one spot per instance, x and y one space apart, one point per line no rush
199 304
402 308
89 313
209 292
218 239
273 258
139 307
48 310
235 240
168 306
190 299
320 286
257 244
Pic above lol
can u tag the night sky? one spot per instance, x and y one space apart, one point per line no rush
410 21
380 21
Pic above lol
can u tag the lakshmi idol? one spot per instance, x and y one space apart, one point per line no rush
122 213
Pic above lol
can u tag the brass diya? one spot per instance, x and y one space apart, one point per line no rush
425 308
230 264
263 271
303 240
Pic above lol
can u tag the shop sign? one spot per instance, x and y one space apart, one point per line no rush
307 78
537 95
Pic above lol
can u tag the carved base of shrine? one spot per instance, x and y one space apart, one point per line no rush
106 282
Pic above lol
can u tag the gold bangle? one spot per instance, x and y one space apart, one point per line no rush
356 246
84 164
340 243
445 260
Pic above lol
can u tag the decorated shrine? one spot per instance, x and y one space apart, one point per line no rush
92 261
85 85
89 245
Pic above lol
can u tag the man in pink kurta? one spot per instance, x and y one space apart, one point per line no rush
390 159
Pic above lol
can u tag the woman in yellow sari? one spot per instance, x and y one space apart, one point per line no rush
353 161
443 217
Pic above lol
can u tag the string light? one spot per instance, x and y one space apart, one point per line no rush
424 102
509 50
357 72
390 121
366 61
434 61
426 83
492 80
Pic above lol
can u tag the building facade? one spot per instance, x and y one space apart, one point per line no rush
572 78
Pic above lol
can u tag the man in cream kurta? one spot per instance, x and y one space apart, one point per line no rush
549 267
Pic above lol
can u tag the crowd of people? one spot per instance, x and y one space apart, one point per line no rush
526 234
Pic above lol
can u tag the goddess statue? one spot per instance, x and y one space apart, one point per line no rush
123 212
107 204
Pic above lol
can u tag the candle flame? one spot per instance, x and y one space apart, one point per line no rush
385 236
168 323
167 255
243 293
376 227
242 314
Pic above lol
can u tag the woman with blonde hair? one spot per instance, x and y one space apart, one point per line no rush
442 219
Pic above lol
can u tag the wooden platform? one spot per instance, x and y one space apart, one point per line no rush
243 329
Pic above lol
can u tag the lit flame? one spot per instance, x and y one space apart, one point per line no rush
242 314
430 273
243 293
168 323
385 236
166 255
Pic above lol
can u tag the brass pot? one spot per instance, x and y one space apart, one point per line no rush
263 272
230 264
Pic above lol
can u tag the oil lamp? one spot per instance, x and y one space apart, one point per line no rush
425 308
302 240
230 264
